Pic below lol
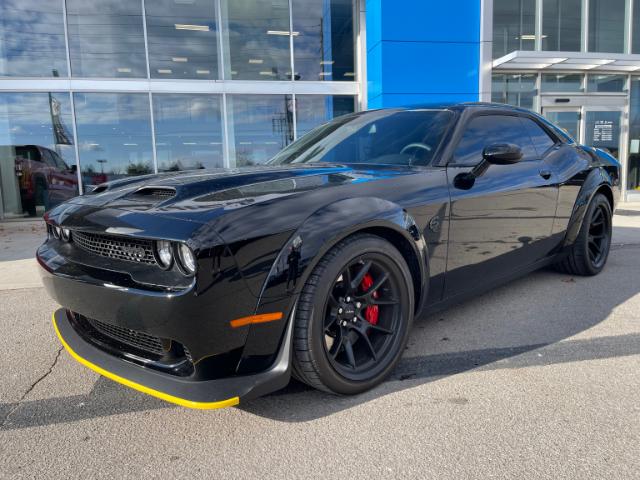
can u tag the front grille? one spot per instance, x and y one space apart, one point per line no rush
140 340
132 250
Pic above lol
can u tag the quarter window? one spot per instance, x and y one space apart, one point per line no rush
485 130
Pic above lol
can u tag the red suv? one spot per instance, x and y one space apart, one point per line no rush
44 177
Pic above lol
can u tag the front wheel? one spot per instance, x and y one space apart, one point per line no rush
353 316
588 254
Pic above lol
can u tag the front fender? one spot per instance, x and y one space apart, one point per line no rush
308 244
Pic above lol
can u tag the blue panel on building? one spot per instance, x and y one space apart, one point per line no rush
414 57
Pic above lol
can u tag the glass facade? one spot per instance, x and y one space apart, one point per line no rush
514 89
182 42
562 25
593 94
37 159
165 85
106 38
514 26
606 26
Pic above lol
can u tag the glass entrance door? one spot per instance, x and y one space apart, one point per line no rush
567 119
602 129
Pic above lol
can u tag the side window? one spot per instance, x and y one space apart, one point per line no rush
540 138
485 130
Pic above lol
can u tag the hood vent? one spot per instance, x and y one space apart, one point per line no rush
153 194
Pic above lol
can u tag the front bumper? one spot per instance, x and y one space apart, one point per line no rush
191 393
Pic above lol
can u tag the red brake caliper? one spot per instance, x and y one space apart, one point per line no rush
371 312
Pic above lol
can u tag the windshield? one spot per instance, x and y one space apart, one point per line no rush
391 137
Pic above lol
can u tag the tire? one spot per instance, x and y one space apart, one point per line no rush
323 337
585 257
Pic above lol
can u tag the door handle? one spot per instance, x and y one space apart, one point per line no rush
546 174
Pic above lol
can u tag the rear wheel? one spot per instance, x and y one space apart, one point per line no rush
353 316
588 254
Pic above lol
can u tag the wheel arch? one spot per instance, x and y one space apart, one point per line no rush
597 181
331 224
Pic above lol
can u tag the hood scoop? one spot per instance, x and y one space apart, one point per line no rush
152 194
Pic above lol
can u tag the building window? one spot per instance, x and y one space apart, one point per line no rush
314 110
37 156
106 38
635 27
32 39
606 26
323 40
561 25
605 83
188 131
182 41
633 172
562 82
114 135
514 26
257 35
514 89
262 125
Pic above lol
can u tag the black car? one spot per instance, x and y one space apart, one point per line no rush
204 288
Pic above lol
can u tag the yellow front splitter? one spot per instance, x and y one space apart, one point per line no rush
230 402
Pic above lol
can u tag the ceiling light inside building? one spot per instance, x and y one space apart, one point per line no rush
124 70
203 72
164 70
327 62
282 32
197 28
256 61
180 59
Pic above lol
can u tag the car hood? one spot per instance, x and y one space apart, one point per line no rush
203 194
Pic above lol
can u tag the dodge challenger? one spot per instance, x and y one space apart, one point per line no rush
207 288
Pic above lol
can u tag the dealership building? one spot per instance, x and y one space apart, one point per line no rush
97 90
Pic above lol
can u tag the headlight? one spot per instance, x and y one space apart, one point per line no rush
66 234
186 259
57 232
164 253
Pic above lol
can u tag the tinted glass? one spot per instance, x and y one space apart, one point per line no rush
261 125
257 37
32 39
486 130
314 110
182 38
561 82
378 137
567 121
635 28
633 178
188 131
514 89
561 25
37 155
602 130
114 135
606 25
605 83
323 40
106 38
514 26
541 139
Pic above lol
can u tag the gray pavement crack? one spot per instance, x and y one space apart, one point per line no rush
30 389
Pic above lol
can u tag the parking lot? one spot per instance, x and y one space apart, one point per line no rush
536 379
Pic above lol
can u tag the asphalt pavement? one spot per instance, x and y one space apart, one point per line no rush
539 378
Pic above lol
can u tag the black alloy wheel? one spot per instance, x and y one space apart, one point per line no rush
361 317
599 236
589 252
353 316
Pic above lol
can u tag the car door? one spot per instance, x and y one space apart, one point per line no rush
501 221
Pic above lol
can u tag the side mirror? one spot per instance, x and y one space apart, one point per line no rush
502 154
